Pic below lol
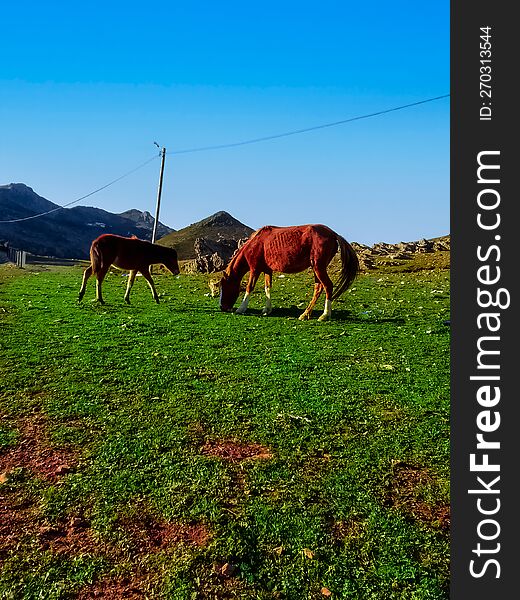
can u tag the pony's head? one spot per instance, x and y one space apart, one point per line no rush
229 291
171 263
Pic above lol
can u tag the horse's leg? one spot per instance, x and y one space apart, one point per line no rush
87 273
131 278
100 276
253 277
148 277
322 275
268 309
306 314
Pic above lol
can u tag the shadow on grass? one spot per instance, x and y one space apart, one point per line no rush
292 312
347 316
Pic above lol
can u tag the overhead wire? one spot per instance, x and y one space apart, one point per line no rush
103 187
306 129
233 145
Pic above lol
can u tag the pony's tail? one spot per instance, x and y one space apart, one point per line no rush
96 259
349 267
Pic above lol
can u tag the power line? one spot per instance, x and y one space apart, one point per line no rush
48 212
306 129
234 145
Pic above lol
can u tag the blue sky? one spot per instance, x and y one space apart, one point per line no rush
86 88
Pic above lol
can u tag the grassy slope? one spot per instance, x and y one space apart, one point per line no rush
137 391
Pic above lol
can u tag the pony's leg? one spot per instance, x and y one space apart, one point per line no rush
86 275
253 277
131 278
148 277
268 309
306 314
323 277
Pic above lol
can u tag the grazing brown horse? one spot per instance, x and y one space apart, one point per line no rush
130 254
289 250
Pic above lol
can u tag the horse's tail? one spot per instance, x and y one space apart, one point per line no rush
96 258
349 267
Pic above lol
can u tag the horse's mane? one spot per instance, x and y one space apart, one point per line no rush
235 255
238 252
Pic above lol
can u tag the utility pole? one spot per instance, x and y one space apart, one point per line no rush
159 191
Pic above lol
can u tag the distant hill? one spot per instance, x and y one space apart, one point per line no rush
67 232
144 220
217 227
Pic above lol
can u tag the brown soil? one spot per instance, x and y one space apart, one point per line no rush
117 588
235 451
35 452
18 518
403 493
71 538
21 520
147 535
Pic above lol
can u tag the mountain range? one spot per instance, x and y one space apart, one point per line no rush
68 232
64 232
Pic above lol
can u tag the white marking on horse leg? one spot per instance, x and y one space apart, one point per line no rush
131 278
268 308
86 275
327 312
243 307
99 296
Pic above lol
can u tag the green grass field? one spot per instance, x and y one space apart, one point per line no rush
173 451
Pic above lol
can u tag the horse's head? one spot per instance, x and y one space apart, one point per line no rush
229 291
172 263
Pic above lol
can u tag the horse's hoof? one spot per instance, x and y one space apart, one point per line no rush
304 317
324 318
266 313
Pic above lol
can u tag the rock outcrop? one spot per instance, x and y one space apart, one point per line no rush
212 255
368 255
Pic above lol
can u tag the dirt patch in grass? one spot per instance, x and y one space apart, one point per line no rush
21 520
71 538
144 535
35 452
18 518
348 530
221 580
147 534
233 451
405 492
117 588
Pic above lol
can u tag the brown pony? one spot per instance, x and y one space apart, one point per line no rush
130 254
289 250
